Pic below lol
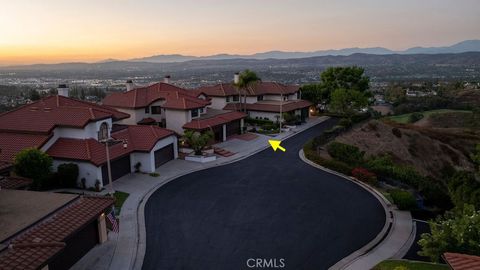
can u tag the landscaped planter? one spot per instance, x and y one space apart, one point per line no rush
185 150
201 159
208 151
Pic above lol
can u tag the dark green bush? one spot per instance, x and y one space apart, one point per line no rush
67 175
258 121
464 189
346 153
403 199
34 164
345 122
397 132
414 117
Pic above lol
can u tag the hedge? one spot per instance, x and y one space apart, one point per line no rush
345 153
403 199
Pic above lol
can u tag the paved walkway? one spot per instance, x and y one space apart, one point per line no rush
126 249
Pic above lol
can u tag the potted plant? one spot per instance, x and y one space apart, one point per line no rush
137 166
197 141
97 185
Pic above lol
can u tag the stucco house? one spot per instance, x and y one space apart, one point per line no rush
175 108
72 131
262 100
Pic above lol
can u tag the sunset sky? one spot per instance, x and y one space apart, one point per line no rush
50 31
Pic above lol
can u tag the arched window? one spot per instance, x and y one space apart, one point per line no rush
103 132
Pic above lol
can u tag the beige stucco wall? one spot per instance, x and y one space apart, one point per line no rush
218 102
175 119
262 115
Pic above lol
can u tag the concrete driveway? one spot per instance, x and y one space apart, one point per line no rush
271 207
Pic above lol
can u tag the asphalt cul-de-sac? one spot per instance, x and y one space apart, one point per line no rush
269 206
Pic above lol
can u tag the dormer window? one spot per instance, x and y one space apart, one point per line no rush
103 132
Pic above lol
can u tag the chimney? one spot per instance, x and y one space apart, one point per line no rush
167 79
130 85
62 90
236 78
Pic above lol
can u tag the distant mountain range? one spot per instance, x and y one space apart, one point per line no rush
464 46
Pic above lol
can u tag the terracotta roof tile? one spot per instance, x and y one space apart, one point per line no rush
216 120
259 88
266 107
140 138
462 261
11 182
174 97
44 115
34 247
12 143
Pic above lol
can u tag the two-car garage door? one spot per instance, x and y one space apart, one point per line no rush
163 155
122 166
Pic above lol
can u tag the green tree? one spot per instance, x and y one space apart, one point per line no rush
349 78
347 102
464 189
34 164
197 141
456 231
315 93
34 95
246 80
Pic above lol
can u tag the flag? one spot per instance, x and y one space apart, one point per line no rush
113 220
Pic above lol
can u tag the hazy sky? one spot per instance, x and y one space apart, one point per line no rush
90 30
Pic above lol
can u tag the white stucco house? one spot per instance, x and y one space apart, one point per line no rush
262 100
166 105
73 131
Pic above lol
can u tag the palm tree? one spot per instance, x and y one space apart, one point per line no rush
247 78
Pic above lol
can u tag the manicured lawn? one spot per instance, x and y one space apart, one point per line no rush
120 198
404 118
391 264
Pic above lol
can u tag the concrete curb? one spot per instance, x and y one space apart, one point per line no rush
140 246
383 201
390 218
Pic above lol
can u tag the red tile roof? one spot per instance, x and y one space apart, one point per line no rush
147 120
175 97
12 143
462 261
44 115
266 107
199 124
33 248
14 182
140 138
259 88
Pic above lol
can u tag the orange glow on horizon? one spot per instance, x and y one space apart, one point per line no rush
52 31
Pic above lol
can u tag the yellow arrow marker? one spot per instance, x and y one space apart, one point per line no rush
276 145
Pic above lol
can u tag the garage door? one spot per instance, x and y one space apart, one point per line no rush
120 167
233 128
76 246
164 155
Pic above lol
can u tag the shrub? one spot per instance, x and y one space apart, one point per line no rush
364 175
414 117
403 199
34 164
67 175
397 132
258 121
154 174
327 163
137 166
344 152
197 140
345 122
269 126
